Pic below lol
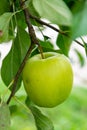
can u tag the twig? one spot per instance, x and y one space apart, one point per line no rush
54 28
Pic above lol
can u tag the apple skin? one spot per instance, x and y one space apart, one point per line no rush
48 81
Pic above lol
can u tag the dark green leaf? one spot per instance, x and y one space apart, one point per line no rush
13 60
21 20
4 117
42 122
79 27
46 44
4 26
4 6
63 43
81 57
55 11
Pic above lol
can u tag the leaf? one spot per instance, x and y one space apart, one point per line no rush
13 60
4 117
79 27
42 122
21 20
4 6
4 26
63 43
46 44
81 58
55 11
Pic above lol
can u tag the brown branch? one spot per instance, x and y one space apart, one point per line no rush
19 72
54 28
31 31
33 42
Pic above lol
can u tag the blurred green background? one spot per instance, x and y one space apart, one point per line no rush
70 115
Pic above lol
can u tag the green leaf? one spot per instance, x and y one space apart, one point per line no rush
13 60
4 26
79 27
55 11
46 44
4 6
63 43
42 122
21 20
4 117
81 58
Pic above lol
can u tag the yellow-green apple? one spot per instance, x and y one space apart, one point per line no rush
48 81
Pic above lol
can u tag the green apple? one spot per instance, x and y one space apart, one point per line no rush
48 81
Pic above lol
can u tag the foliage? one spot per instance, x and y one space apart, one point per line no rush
70 18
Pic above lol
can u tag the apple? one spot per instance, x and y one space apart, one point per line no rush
48 81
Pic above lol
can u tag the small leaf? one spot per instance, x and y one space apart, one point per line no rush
4 26
13 60
81 58
46 44
63 43
42 122
4 117
55 11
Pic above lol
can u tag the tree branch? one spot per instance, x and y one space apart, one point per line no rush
33 42
31 31
19 72
54 28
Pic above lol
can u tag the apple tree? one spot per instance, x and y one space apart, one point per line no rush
19 22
